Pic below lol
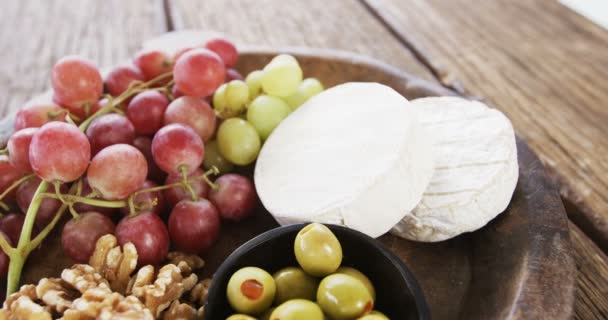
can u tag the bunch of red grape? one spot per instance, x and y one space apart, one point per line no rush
121 153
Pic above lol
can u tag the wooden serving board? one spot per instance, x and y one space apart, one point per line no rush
518 266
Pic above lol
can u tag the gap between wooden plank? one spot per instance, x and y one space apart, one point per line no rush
438 71
168 16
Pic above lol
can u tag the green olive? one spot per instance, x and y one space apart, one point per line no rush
374 315
297 309
266 314
240 317
317 250
294 283
251 290
362 277
344 297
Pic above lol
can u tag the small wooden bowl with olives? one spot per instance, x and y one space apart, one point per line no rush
314 271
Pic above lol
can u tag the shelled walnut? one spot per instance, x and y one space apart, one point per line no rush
106 288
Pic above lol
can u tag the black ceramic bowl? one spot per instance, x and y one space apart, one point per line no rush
397 292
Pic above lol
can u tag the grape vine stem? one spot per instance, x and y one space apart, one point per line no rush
69 198
15 184
134 88
18 257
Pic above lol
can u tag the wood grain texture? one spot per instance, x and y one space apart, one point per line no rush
337 24
36 34
592 277
108 31
541 64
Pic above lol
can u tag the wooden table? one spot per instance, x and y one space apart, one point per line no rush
540 63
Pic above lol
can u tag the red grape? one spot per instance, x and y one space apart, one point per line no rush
144 144
194 112
34 115
80 235
8 175
84 207
177 146
225 49
117 171
176 93
19 149
146 111
76 82
48 206
100 104
149 235
4 260
119 79
232 74
234 198
181 52
194 226
11 225
153 63
147 199
59 152
199 72
108 130
177 194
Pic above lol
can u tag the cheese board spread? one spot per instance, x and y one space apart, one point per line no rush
137 173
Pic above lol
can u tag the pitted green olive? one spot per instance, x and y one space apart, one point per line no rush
251 290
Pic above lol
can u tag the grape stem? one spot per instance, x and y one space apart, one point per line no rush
42 235
6 247
18 256
69 198
4 151
213 171
69 120
4 206
133 207
54 114
25 246
14 185
185 183
133 89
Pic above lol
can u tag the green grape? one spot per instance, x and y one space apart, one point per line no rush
254 82
282 76
238 141
284 58
308 88
229 99
265 113
213 157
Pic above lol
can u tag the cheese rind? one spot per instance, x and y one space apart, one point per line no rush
476 169
354 155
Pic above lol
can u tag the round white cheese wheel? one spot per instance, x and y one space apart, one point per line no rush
353 155
476 169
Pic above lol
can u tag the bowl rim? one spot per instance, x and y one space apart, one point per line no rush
270 235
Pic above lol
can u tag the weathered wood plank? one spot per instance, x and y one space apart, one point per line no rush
541 64
592 277
340 24
37 33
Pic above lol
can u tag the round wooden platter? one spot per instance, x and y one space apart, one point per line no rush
518 266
